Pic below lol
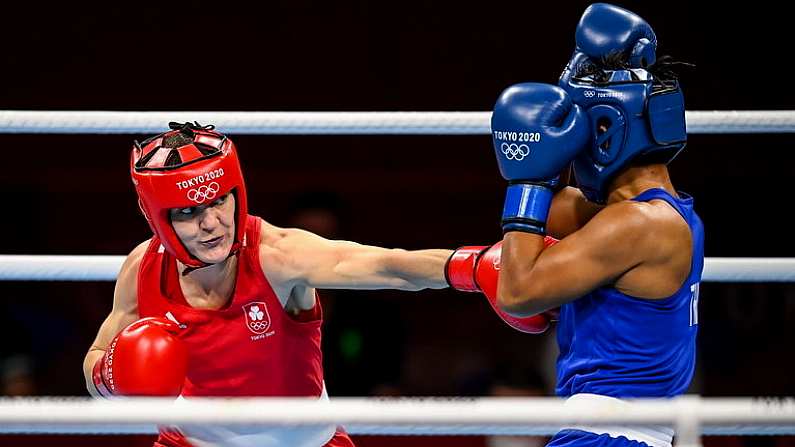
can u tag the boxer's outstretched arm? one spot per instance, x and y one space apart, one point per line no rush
303 258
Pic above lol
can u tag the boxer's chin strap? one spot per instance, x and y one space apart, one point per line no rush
189 269
236 247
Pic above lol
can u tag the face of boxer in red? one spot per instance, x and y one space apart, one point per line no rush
207 231
191 191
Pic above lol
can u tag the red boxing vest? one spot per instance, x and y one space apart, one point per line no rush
250 347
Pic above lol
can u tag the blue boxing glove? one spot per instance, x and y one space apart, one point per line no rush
537 131
613 38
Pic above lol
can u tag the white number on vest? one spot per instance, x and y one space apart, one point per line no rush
694 304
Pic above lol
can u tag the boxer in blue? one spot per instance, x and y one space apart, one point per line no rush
626 271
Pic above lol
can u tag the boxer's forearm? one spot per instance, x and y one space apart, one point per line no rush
348 265
420 269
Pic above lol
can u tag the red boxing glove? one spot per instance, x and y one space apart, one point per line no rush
460 268
477 268
487 273
461 265
145 359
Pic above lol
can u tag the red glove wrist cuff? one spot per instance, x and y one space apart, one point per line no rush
459 271
98 379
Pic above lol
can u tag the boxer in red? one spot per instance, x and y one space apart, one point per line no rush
222 303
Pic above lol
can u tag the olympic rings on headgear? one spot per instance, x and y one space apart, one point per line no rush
203 193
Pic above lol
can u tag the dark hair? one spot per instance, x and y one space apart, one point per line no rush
176 140
665 70
598 69
184 137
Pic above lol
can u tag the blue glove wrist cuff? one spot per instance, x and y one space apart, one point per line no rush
526 208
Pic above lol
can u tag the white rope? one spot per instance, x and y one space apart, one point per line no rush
105 268
529 416
59 268
388 430
749 269
348 123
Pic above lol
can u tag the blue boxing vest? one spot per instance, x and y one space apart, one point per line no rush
621 346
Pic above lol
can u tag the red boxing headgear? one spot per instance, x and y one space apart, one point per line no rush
186 176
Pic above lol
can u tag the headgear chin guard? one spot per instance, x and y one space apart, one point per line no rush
190 175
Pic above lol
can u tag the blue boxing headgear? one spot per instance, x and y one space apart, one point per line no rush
632 113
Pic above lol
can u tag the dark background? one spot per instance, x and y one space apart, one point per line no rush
71 194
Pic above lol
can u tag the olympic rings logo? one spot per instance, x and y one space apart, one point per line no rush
589 93
259 326
515 151
204 192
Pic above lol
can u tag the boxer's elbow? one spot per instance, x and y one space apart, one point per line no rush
518 295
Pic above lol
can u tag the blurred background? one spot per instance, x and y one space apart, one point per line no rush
71 194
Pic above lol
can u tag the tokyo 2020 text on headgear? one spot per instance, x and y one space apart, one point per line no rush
201 169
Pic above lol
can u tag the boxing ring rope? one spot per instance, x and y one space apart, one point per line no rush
105 268
691 416
344 123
